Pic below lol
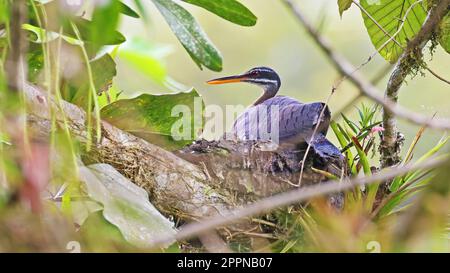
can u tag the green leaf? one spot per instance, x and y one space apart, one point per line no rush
142 10
230 10
400 180
104 24
77 88
350 124
127 10
344 5
444 35
85 26
342 138
4 11
104 70
126 205
396 18
190 34
151 117
35 60
146 58
371 189
362 157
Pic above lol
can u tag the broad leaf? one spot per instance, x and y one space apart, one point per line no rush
444 35
156 117
80 210
344 5
230 10
126 205
400 19
190 34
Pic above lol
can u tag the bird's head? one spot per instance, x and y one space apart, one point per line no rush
265 77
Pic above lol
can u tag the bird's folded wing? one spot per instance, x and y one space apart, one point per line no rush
301 119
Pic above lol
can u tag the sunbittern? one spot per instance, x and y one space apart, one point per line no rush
297 121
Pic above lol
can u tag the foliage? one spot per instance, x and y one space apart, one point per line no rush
152 117
190 35
147 59
444 36
391 24
230 10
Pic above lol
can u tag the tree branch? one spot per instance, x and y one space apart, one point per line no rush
175 185
295 196
390 147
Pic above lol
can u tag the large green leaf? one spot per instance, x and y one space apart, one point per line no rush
390 15
230 10
444 36
190 34
125 205
151 117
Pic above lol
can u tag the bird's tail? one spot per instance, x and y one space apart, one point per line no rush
324 148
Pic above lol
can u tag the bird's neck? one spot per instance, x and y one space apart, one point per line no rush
269 92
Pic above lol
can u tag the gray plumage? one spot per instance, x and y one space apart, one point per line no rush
296 121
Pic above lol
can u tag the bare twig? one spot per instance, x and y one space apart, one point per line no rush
293 196
438 76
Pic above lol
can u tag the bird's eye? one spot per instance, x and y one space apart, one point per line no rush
254 73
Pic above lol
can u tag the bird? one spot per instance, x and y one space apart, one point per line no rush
297 121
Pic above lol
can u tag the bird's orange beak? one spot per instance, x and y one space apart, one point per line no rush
231 79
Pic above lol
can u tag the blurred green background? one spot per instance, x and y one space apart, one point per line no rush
280 42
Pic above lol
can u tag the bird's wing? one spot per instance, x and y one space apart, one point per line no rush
299 120
296 120
248 125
